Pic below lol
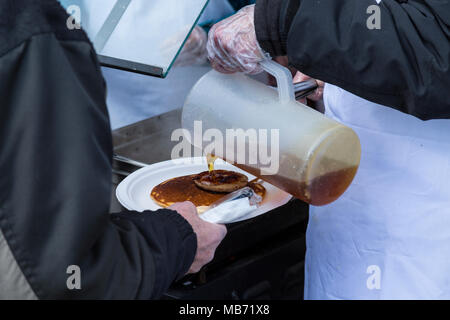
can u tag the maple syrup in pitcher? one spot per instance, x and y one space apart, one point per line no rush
317 191
314 157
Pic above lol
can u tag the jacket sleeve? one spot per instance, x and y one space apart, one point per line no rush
55 184
405 64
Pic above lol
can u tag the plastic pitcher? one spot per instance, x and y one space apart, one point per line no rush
312 157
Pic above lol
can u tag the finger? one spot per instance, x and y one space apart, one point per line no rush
174 206
218 67
189 205
217 56
299 77
317 95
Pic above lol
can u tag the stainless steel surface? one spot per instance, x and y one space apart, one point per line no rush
124 166
148 141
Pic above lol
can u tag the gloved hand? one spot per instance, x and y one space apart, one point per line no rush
232 44
194 50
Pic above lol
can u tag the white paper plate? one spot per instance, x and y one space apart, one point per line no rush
134 191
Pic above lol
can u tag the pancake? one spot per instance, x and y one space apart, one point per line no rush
184 189
221 181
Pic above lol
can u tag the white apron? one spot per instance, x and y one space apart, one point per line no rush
388 236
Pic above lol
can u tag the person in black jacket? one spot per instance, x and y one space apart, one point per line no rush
55 184
386 65
329 40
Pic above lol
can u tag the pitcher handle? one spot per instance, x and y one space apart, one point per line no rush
283 77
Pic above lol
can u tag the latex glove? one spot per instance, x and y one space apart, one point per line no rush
232 44
209 235
194 50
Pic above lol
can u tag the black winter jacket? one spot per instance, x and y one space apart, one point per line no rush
404 65
55 174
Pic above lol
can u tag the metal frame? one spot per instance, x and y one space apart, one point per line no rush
130 66
105 33
110 24
107 30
